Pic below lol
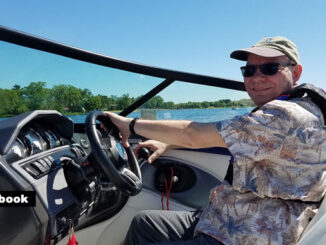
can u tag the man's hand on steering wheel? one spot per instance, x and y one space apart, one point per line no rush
123 125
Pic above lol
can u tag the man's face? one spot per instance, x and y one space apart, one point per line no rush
263 88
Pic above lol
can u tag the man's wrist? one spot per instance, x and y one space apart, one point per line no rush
132 125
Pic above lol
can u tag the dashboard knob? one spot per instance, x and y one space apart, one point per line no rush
144 153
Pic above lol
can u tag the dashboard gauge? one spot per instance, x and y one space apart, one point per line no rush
36 141
84 143
32 140
17 151
52 139
34 137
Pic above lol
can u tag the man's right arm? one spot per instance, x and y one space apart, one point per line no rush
182 133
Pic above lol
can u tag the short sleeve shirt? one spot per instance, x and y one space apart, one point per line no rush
279 175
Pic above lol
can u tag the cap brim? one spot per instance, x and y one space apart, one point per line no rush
242 54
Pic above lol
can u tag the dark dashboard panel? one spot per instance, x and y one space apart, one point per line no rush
41 151
35 148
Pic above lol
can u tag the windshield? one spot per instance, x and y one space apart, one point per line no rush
38 80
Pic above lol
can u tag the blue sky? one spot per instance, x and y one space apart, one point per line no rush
192 36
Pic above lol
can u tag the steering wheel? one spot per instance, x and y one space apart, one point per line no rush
112 157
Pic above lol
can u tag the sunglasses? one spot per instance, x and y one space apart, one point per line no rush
267 69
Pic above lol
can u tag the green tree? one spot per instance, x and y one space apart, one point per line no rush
74 99
205 104
11 102
154 103
107 103
35 95
16 87
67 98
58 100
169 105
93 103
123 102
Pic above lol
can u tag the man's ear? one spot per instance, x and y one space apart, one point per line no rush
296 74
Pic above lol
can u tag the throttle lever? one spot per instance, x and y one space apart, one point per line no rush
144 153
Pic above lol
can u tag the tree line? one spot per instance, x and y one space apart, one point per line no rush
69 99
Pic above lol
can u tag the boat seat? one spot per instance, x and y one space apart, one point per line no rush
315 232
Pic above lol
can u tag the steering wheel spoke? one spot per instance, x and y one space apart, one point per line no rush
106 142
130 177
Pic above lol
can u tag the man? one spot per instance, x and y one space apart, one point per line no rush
279 160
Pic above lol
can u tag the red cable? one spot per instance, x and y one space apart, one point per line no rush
167 190
167 194
162 197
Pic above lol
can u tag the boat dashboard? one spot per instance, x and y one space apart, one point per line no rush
32 140
39 153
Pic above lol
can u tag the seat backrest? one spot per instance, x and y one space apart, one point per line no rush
315 232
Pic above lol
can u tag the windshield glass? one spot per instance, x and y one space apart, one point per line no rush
38 80
186 101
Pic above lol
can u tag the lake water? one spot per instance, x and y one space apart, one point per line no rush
198 115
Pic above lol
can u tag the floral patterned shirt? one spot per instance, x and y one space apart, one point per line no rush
279 175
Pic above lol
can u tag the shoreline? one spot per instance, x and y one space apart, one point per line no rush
158 109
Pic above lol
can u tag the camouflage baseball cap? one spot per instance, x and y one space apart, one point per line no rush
270 47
